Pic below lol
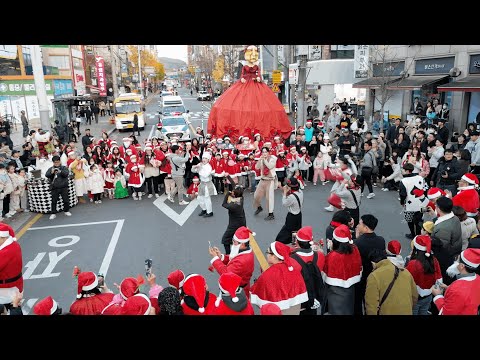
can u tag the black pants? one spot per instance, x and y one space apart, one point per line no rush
152 184
56 193
102 112
367 180
97 197
292 223
415 225
304 175
360 289
161 180
218 182
6 205
308 110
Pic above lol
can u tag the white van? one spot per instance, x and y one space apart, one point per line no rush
172 106
171 101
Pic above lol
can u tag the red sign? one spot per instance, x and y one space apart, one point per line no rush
102 83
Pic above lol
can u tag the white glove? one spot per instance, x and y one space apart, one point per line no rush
316 304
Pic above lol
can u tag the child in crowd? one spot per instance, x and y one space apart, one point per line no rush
298 175
23 190
109 177
77 167
121 190
136 178
192 191
15 194
6 188
96 183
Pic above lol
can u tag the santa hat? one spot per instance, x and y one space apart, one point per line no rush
326 137
270 309
176 278
138 304
128 287
225 153
198 128
342 234
45 306
70 153
276 138
229 284
194 286
435 192
133 157
113 142
125 139
470 257
303 148
129 151
305 234
148 147
207 155
267 144
257 134
159 124
470 178
282 252
195 178
309 122
226 138
6 231
292 147
394 248
321 124
246 138
242 235
240 138
423 243
86 281
138 146
241 155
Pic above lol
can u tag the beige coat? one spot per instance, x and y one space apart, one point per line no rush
402 297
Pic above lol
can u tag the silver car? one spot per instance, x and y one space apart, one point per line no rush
175 126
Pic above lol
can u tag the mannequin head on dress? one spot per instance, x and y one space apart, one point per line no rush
251 54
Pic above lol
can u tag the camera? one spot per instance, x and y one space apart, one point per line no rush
294 237
101 280
425 209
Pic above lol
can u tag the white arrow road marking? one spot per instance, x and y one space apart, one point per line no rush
151 132
181 218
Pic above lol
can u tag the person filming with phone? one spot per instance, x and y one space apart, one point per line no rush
58 176
292 199
233 202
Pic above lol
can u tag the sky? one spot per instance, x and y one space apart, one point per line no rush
173 51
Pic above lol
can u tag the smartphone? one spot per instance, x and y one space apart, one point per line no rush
148 267
209 244
101 280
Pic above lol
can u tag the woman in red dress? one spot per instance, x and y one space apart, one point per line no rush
249 106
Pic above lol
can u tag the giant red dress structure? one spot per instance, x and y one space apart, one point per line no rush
249 108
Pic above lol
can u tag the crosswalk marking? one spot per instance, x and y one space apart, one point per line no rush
28 306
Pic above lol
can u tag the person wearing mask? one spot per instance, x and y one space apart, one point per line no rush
178 158
87 140
435 153
293 200
446 173
58 176
446 236
474 147
462 297
467 196
366 240
413 199
240 260
402 296
345 142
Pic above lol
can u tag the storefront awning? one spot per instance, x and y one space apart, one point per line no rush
415 82
468 84
376 82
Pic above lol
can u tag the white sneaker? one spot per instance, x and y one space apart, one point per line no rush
374 184
135 198
99 201
8 215
157 196
371 195
330 208
325 182
53 216
385 189
139 197
96 201
170 199
183 202
68 213
361 194
149 196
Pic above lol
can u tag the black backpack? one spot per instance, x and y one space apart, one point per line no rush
313 280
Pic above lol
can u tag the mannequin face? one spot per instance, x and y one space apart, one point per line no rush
251 54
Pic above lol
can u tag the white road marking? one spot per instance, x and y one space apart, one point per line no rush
111 246
28 306
181 218
151 132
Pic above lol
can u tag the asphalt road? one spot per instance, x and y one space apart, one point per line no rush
114 238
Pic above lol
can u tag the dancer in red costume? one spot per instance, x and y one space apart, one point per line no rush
249 106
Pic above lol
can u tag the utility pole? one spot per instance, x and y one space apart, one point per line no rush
275 57
37 67
113 61
286 71
140 78
302 78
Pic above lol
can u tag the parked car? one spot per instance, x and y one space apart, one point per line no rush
175 126
203 95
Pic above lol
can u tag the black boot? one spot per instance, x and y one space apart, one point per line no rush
270 217
208 215
203 212
259 210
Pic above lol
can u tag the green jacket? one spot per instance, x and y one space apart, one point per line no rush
402 297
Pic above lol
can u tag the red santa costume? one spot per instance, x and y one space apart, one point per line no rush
424 281
46 306
92 304
467 196
136 178
280 284
138 304
341 271
176 279
433 194
192 191
109 178
197 300
71 158
127 144
270 309
462 297
232 299
238 262
249 104
11 265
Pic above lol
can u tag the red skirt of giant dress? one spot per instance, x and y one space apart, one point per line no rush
246 109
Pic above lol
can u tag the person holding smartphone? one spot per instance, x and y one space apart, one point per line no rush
233 202
293 200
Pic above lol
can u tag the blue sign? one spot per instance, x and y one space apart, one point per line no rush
62 88
434 66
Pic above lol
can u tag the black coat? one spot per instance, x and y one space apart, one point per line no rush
5 125
366 243
443 134
59 181
6 140
135 122
236 218
86 141
450 167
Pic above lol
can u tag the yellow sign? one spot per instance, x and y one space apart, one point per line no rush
275 88
276 76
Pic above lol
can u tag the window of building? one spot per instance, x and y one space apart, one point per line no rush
342 51
60 61
77 63
27 57
9 61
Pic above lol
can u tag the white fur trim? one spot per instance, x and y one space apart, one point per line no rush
469 263
305 240
217 301
7 242
201 310
469 278
235 299
4 234
466 179
149 302
423 292
418 246
340 282
54 307
437 297
282 304
272 246
213 259
341 239
91 286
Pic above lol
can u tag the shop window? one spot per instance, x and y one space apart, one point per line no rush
60 61
9 61
27 58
